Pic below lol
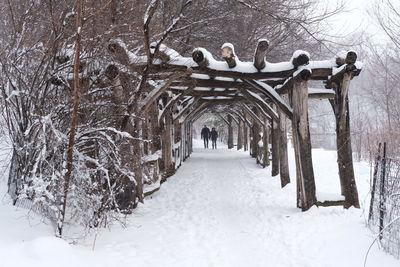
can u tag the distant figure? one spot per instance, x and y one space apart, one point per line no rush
205 134
214 136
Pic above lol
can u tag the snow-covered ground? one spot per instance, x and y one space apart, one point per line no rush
220 209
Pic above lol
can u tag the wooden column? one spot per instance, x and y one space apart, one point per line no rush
166 143
230 132
261 52
275 147
245 135
265 150
340 104
239 135
301 142
255 139
283 151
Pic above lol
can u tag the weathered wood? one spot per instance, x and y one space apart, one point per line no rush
253 116
240 135
261 52
265 151
167 167
228 54
330 203
199 57
300 59
215 83
263 105
275 147
271 96
283 151
245 135
230 131
157 92
302 144
340 83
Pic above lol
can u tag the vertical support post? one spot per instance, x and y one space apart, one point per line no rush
275 148
302 142
265 151
239 135
283 151
245 134
230 132
255 138
167 137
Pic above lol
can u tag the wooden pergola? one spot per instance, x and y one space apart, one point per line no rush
257 96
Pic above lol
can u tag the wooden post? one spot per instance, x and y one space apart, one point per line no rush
239 135
275 147
301 142
245 135
265 150
340 104
261 52
255 139
199 57
283 152
228 53
167 167
230 132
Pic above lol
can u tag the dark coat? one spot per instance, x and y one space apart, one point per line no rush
214 135
205 133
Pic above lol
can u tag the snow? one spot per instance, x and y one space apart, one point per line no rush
219 209
312 91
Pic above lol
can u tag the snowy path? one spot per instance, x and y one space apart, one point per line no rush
220 209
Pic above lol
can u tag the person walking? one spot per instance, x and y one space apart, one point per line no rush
214 136
205 135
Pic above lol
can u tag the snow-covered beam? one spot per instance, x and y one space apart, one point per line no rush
271 94
228 54
252 115
159 90
261 52
263 105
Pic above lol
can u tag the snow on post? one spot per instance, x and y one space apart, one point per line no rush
260 53
228 53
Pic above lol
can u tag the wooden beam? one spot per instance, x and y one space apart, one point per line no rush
200 58
216 83
157 92
252 115
261 52
263 105
228 54
271 94
186 108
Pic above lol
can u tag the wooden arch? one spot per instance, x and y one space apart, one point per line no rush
264 95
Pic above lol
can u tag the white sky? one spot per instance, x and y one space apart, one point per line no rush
355 18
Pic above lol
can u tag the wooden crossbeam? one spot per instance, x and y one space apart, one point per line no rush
252 115
271 94
264 106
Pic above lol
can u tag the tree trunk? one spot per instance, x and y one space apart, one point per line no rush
74 117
